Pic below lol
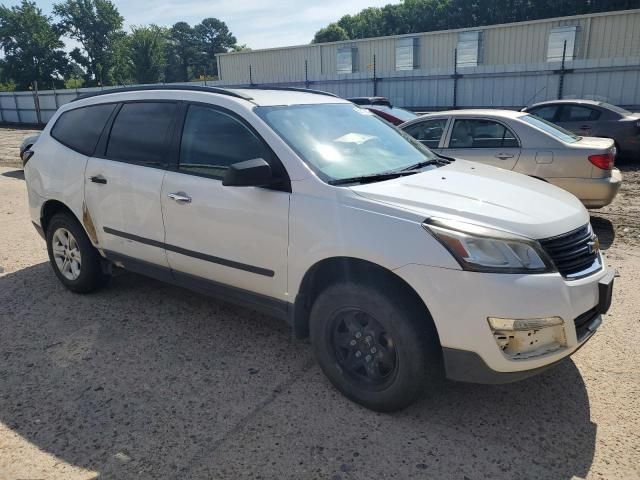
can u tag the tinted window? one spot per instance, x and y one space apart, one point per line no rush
212 140
575 113
140 133
618 110
429 132
481 134
548 113
80 129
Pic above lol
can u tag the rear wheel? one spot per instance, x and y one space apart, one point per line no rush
76 262
379 349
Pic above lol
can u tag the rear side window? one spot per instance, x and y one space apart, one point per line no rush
80 129
474 133
140 133
548 113
575 113
429 132
213 140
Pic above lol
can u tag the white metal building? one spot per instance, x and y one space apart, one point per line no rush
499 65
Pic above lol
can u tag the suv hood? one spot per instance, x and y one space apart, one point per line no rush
483 195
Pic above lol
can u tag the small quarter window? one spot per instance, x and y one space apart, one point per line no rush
213 140
475 133
140 133
81 128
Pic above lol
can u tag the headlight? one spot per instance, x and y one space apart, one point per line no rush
483 249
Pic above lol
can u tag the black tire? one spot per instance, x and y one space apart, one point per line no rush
409 333
91 276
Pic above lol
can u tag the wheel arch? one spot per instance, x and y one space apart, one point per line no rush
51 208
330 270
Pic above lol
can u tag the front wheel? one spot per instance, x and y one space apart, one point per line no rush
76 262
379 349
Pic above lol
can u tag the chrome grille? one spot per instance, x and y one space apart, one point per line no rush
573 252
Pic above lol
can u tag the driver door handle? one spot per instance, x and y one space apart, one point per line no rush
180 197
504 156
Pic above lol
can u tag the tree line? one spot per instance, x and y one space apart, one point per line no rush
33 47
413 16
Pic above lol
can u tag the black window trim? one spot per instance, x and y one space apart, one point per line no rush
284 185
101 149
453 124
107 123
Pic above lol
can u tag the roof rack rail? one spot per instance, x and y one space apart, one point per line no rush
292 89
192 88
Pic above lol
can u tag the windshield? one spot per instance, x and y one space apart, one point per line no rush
404 115
342 141
551 128
616 109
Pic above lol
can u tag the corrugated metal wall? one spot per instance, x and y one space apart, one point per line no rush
610 35
513 71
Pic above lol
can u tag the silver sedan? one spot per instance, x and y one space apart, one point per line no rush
526 144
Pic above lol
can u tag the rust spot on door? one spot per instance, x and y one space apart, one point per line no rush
88 224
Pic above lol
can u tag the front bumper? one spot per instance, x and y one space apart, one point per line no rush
460 303
592 192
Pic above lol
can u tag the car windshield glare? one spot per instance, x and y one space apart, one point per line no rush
341 141
550 128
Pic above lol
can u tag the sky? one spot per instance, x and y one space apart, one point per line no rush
258 24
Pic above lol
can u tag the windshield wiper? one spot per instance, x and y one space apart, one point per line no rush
376 177
433 161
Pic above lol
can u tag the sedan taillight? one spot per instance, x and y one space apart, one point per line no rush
603 160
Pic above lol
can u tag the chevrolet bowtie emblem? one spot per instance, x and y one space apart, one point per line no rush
594 245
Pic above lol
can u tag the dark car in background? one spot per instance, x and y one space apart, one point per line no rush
590 118
382 107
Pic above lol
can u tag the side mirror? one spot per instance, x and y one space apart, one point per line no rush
250 173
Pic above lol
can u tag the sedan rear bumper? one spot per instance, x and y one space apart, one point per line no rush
592 192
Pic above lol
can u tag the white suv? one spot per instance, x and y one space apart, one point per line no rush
399 264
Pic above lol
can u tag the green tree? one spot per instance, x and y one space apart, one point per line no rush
32 46
97 26
181 53
211 36
413 16
122 71
331 33
148 45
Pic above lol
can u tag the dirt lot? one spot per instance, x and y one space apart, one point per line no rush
144 380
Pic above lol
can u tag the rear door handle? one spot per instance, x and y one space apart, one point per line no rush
179 197
585 127
98 179
504 156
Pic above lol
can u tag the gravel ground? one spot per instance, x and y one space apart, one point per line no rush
144 380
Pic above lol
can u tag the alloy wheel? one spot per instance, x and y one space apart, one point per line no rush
66 253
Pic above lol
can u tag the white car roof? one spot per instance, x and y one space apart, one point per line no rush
480 112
